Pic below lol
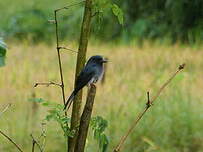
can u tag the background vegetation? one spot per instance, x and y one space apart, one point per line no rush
166 20
174 123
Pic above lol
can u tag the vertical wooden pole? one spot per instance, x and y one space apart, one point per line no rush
85 120
81 57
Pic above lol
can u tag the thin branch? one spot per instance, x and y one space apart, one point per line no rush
43 135
65 48
148 100
35 142
59 60
65 7
59 57
148 105
181 67
47 84
11 141
5 109
33 145
95 13
68 6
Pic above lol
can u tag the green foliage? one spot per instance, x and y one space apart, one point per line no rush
177 114
37 100
2 52
175 21
28 24
118 13
164 19
102 6
30 21
56 113
98 125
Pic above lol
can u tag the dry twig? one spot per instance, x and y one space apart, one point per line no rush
5 109
47 84
35 142
11 141
43 136
2 133
65 48
71 5
59 56
148 105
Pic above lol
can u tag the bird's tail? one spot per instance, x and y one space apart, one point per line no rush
70 99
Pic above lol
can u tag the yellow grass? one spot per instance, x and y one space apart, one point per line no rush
131 72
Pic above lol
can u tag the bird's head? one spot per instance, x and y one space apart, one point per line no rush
98 59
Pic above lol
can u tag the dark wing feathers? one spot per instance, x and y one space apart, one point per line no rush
84 77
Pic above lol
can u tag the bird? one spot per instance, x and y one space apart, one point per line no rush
91 73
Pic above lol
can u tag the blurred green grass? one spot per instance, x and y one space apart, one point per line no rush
174 123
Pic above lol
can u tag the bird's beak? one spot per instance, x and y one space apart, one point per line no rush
105 60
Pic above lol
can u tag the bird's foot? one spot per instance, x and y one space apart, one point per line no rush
92 84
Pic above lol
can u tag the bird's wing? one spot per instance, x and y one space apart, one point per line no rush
84 77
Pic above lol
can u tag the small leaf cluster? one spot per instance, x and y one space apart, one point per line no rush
98 125
118 13
100 6
56 113
37 100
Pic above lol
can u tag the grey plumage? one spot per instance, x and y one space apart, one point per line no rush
91 73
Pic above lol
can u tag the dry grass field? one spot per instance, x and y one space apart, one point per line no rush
173 124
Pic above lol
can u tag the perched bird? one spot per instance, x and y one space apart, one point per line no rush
91 73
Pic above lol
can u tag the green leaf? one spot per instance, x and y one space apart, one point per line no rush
38 100
46 104
2 52
56 113
48 117
49 104
103 143
118 13
98 125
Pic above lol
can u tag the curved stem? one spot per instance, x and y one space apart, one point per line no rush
11 141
